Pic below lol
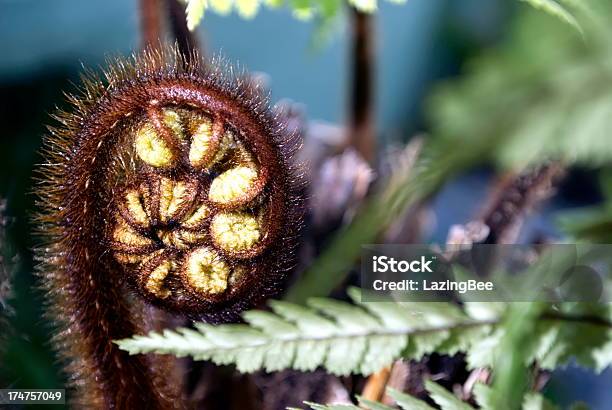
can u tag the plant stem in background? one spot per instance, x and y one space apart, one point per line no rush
513 197
362 132
376 384
185 40
150 23
153 14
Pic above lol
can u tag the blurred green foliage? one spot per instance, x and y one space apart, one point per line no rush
593 223
545 92
301 9
328 9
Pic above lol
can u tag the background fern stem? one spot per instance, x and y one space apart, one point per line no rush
151 26
514 195
376 384
362 132
185 39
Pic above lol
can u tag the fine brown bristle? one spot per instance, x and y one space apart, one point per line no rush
175 179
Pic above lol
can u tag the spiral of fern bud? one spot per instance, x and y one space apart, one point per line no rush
169 180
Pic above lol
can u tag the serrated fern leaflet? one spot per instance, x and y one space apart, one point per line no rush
346 338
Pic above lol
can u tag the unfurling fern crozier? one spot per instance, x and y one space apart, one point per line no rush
190 225
169 181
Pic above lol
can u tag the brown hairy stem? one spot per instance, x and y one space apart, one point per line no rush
362 132
168 371
514 195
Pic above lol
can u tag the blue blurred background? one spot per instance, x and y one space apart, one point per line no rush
417 43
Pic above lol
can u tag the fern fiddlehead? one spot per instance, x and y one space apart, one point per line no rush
172 181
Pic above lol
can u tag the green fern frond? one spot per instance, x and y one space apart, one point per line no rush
539 95
342 337
442 397
445 399
406 401
557 10
371 405
402 400
195 12
484 395
362 338
534 401
315 406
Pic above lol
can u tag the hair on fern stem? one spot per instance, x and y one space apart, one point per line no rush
172 182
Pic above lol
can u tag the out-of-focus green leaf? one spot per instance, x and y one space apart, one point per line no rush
557 10
372 405
367 6
195 12
540 94
445 399
484 396
222 7
535 401
510 378
247 9
406 401
538 97
325 10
